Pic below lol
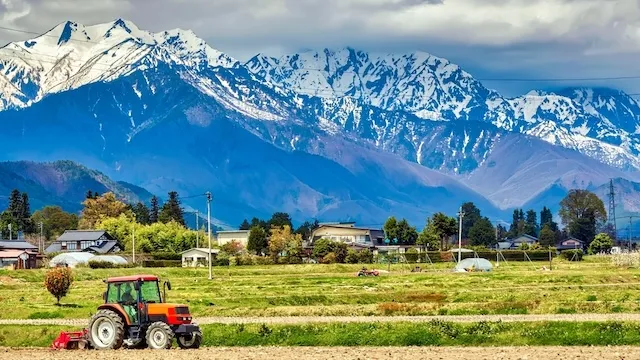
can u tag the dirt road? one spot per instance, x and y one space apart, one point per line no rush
315 353
344 319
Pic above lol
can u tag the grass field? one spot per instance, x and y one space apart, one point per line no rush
591 286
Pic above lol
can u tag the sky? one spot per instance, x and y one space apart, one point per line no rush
491 39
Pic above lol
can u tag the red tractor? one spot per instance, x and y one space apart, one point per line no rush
135 315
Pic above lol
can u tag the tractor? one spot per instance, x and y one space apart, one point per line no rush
134 315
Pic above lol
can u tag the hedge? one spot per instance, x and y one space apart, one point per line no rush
162 263
96 264
166 256
509 255
572 255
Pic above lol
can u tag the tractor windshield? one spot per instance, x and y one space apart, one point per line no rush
150 292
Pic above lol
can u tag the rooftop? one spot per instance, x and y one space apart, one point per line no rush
86 235
16 244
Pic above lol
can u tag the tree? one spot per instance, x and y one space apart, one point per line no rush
104 206
282 240
141 212
546 218
245 225
531 223
428 237
58 281
171 210
7 219
25 222
233 248
15 204
257 242
279 220
581 211
471 215
324 247
601 243
406 234
261 223
482 233
54 221
154 212
517 227
502 232
444 227
391 228
307 228
89 195
547 236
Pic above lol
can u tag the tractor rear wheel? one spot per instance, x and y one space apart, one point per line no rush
189 341
159 336
106 330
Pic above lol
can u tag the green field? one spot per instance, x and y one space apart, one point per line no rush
591 286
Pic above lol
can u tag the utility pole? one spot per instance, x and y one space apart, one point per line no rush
133 240
629 233
9 226
460 215
197 231
41 241
612 210
209 230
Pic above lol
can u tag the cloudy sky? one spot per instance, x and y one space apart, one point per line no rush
492 39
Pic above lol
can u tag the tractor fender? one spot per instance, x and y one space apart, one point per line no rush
118 309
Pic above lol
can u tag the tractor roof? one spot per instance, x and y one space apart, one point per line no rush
132 278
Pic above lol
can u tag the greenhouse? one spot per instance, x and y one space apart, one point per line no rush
71 259
114 259
473 265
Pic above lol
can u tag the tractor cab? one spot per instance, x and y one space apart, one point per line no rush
136 314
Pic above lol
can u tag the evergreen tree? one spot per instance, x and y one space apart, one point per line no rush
280 220
89 195
471 215
245 225
407 234
546 218
502 232
154 212
531 223
15 204
482 233
171 210
515 224
391 228
257 242
547 236
142 213
307 228
26 224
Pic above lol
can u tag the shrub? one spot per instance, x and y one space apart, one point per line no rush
330 258
572 255
232 248
323 247
244 260
96 264
262 260
58 281
365 256
352 257
411 255
166 256
221 259
161 263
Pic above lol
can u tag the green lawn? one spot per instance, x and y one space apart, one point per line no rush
434 333
592 286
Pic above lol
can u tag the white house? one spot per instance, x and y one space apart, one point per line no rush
197 257
241 236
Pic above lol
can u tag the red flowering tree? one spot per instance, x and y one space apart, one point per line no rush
58 281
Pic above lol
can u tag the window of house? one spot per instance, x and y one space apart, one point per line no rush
71 246
63 245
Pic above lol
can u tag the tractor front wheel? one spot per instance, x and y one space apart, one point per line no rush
189 341
106 330
159 336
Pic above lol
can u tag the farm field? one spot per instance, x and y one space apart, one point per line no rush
593 286
315 353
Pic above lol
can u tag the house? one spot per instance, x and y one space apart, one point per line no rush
197 257
523 239
241 236
94 241
571 244
19 254
355 237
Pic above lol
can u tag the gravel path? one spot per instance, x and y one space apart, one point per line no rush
344 319
342 353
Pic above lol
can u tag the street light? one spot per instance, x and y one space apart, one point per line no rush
209 230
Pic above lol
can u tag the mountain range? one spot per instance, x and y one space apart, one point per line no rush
337 135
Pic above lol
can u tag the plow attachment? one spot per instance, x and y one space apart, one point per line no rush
71 340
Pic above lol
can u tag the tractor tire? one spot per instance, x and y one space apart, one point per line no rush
106 330
159 336
189 341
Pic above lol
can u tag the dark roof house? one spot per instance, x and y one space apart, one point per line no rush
571 244
95 241
17 245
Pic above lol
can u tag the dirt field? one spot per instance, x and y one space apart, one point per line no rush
292 320
529 353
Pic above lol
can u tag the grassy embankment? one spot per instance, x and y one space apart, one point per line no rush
592 286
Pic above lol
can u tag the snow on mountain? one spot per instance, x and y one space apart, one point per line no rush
599 124
71 55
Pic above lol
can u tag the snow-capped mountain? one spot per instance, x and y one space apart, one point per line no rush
168 112
72 55
599 123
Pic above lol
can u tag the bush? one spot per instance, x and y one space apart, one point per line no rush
323 247
330 258
352 257
161 263
96 264
365 256
58 281
411 255
572 255
166 256
222 259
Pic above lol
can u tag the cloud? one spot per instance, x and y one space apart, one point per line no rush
570 37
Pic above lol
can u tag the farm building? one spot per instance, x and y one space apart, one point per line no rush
73 259
18 254
197 257
94 241
241 236
571 244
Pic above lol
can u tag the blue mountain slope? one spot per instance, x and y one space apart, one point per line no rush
176 137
